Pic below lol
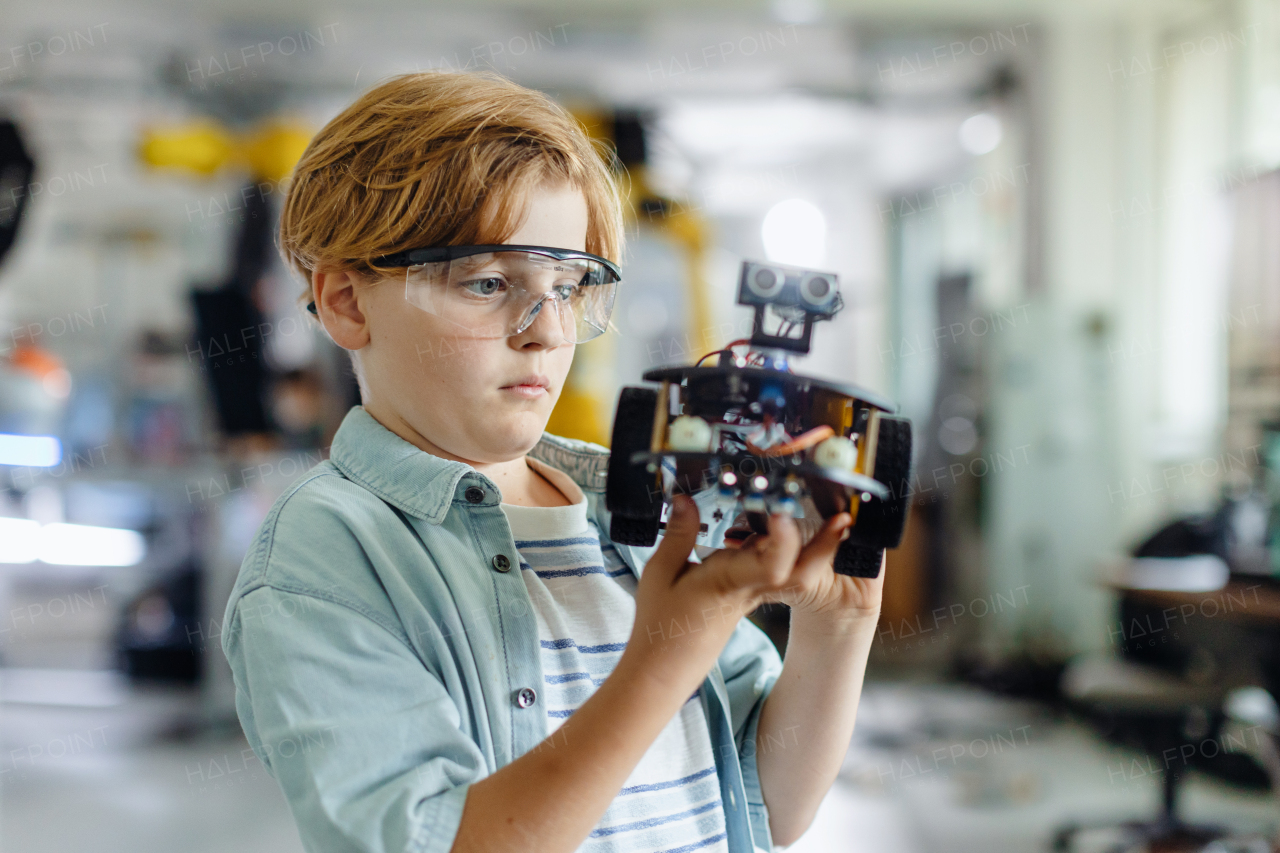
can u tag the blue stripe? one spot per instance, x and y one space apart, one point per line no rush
697 844
568 676
658 786
603 647
580 572
556 543
586 650
573 692
560 715
569 573
656 821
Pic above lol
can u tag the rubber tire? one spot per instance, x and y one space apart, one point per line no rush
858 561
880 523
628 493
642 532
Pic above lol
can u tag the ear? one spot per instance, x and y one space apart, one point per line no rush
338 308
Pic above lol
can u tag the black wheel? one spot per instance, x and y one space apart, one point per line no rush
633 531
880 523
631 492
859 561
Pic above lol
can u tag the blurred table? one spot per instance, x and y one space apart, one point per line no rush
1211 625
1238 600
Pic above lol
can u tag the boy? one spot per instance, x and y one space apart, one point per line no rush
435 645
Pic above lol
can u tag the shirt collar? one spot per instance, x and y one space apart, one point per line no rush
425 486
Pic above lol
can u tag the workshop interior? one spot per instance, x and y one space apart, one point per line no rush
1001 278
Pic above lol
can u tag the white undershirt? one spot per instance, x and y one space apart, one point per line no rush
583 595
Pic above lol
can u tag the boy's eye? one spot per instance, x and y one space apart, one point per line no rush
484 286
566 290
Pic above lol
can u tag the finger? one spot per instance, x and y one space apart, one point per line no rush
783 537
681 534
739 532
762 560
776 551
821 550
811 522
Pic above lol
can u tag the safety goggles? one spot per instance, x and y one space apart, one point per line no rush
496 291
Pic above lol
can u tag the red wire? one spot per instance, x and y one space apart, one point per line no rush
726 348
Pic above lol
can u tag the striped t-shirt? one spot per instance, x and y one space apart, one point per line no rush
583 595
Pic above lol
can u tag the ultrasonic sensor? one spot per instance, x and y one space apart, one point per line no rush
765 282
817 290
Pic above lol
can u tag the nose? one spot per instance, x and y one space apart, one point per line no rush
543 323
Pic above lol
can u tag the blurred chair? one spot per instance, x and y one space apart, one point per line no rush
1256 709
1159 713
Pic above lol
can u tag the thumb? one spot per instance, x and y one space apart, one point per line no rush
672 553
822 548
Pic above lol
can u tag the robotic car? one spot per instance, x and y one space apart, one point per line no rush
747 437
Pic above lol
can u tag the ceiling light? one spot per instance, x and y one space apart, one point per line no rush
82 545
980 133
36 451
19 540
25 541
795 232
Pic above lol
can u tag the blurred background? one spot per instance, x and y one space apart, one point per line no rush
1057 230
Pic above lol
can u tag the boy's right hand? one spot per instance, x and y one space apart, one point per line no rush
686 611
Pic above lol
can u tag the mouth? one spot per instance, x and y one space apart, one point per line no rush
529 387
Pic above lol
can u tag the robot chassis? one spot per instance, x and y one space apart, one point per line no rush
760 438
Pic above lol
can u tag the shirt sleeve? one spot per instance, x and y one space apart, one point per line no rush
363 739
751 665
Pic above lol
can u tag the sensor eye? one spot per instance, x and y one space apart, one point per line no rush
765 282
817 290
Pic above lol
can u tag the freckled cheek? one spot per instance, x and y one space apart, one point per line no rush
405 338
468 369
563 361
455 373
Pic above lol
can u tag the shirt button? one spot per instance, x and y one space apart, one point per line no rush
475 494
526 697
501 563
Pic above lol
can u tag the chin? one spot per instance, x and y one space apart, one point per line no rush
520 434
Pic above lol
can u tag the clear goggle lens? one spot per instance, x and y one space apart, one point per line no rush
500 294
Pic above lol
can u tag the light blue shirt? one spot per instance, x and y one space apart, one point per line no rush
386 655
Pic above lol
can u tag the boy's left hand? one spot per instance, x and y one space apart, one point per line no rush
815 591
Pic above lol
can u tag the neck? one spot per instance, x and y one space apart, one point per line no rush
532 490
